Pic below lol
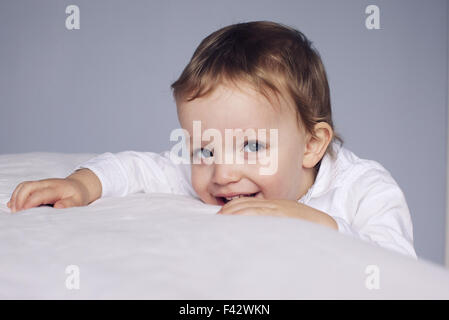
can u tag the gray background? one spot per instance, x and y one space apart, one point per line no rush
105 87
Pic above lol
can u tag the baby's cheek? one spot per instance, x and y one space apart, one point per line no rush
200 182
196 180
272 185
280 185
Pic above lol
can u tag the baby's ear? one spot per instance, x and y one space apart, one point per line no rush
315 147
310 159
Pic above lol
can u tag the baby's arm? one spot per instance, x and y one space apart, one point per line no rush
79 189
131 172
381 216
104 176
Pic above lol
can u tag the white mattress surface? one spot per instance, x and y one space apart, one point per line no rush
162 246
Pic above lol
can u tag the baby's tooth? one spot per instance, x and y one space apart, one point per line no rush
236 197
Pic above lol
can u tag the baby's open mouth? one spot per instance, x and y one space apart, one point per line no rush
224 200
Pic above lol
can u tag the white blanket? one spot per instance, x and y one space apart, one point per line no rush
162 246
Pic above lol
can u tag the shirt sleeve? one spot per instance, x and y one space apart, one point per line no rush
131 172
382 216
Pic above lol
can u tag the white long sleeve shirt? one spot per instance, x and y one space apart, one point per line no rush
359 194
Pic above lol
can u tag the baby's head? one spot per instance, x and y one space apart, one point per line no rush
252 76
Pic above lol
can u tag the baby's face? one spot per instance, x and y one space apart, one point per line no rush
230 108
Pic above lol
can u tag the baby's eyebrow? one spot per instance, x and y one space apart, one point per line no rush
239 133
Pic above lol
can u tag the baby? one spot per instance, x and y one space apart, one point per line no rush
251 76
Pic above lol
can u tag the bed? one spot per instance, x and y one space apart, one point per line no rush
163 246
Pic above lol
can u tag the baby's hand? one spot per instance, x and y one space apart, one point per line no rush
282 208
63 193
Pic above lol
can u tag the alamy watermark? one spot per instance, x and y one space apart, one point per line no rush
372 281
190 149
72 282
72 22
372 21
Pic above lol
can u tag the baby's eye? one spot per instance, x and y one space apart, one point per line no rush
253 146
203 153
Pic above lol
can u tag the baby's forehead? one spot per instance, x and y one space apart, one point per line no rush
238 105
232 117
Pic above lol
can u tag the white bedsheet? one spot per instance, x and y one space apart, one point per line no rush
161 246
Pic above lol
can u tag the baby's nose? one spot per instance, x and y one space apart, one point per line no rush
226 173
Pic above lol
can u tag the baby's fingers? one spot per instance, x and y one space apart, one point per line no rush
22 192
44 196
12 201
